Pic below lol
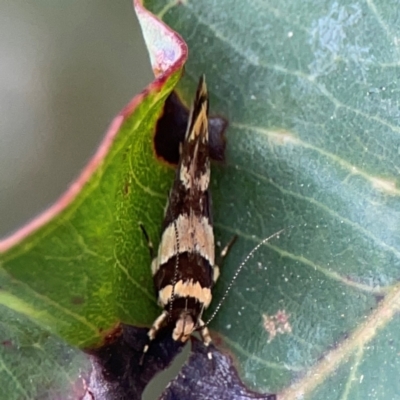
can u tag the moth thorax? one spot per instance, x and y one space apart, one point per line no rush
183 328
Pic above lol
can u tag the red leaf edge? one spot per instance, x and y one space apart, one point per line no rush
164 63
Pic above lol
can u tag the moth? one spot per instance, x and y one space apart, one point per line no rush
184 269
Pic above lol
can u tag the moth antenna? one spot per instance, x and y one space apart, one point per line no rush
176 270
244 262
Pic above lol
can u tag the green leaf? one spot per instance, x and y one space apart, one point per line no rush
36 365
310 91
86 267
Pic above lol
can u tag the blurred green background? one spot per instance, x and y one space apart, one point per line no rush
66 69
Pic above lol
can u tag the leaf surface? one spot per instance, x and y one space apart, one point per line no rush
310 92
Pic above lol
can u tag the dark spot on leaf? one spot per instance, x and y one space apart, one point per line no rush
126 188
171 129
217 340
379 298
125 154
7 343
77 300
114 334
116 372
217 126
202 378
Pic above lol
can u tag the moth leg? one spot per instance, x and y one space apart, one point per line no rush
151 334
216 273
205 337
222 256
226 249
148 240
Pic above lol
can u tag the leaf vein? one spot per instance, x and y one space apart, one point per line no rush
133 281
303 260
323 207
278 137
13 378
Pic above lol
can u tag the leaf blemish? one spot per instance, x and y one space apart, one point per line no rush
126 188
379 297
77 300
276 324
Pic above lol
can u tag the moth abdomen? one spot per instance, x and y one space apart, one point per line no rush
190 266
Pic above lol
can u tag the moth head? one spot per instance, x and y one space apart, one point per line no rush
184 327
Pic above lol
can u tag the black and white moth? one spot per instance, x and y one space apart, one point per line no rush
184 269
